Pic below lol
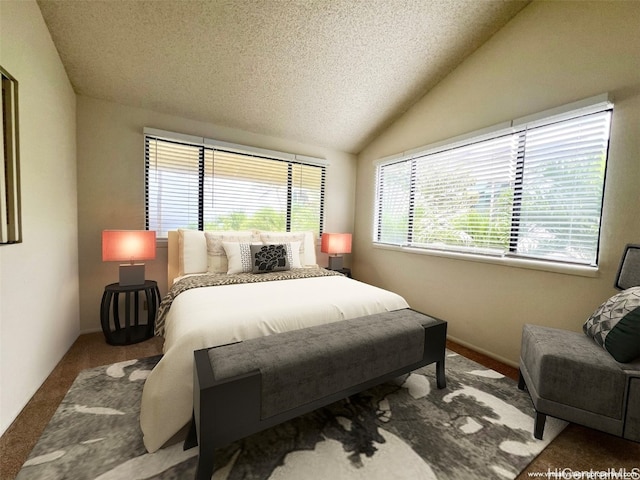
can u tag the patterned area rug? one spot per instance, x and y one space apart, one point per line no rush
480 426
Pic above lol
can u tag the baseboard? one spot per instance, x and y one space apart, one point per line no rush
90 330
483 351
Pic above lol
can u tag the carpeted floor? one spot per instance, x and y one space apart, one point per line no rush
478 427
576 448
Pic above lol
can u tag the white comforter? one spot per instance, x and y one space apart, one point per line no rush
210 316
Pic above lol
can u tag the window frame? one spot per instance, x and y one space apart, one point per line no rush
599 103
213 145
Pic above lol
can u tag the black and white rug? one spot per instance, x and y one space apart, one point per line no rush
480 426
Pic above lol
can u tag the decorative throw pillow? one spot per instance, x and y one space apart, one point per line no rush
270 258
615 325
238 257
217 261
293 253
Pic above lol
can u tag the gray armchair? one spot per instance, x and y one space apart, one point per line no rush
569 376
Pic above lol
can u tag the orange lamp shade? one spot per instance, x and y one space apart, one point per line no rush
128 245
336 243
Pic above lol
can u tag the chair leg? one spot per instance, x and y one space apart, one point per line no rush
538 427
521 383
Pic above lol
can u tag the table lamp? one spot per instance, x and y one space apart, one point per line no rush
335 244
129 246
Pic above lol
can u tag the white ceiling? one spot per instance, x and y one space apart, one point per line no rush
331 73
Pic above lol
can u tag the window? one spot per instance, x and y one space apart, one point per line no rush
532 190
215 186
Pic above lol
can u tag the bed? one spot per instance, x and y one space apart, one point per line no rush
207 307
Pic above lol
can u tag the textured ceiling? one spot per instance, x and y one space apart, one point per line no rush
331 73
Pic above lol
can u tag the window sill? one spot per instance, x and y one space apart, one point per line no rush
567 269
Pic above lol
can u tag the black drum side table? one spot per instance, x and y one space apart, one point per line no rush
118 334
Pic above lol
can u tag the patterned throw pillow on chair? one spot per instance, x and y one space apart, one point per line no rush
615 325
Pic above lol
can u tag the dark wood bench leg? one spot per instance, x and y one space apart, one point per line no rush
521 384
192 436
204 469
538 428
441 380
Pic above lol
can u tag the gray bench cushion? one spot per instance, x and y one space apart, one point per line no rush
549 354
301 366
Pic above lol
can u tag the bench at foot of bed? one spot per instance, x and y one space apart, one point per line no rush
245 387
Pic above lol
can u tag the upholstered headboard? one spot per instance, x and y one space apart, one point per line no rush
173 257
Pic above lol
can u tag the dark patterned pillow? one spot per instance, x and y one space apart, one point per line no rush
270 258
615 325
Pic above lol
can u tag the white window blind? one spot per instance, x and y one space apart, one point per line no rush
244 192
393 198
462 196
172 185
208 188
307 197
559 199
535 191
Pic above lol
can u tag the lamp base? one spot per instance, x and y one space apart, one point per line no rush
335 262
132 274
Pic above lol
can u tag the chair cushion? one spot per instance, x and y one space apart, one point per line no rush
615 325
569 369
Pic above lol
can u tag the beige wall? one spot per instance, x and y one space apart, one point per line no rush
550 54
39 317
111 185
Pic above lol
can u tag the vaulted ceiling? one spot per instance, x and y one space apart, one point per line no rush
331 73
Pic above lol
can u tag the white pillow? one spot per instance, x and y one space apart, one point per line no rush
217 261
238 256
192 252
307 244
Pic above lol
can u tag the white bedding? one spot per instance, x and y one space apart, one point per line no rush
210 316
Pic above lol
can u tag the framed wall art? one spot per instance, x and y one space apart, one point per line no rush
10 216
